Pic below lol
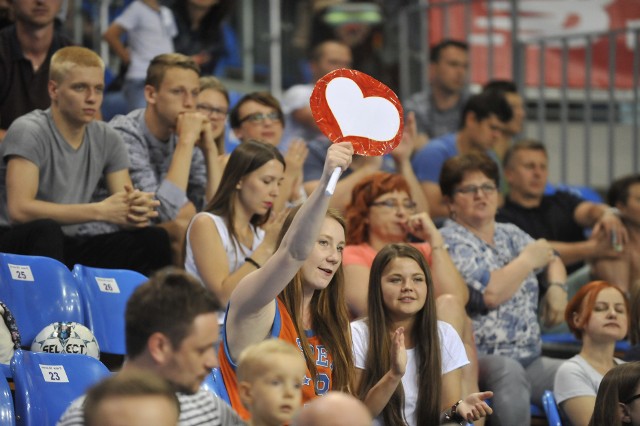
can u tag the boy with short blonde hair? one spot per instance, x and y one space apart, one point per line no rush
53 162
270 375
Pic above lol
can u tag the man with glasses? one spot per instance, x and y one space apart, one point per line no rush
171 146
483 120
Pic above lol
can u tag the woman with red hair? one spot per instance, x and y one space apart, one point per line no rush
597 315
381 212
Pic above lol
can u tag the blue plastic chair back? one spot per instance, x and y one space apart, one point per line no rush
5 370
551 409
7 413
585 192
38 291
536 411
105 293
570 340
47 383
215 384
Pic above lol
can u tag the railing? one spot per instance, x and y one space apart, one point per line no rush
589 122
591 130
609 138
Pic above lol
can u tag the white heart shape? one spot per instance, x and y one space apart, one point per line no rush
371 117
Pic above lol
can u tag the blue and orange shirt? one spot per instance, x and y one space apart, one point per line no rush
284 329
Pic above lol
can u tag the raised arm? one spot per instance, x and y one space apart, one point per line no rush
437 207
362 167
446 278
380 394
252 306
293 176
402 158
212 161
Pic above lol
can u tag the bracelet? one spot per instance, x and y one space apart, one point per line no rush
563 286
253 262
451 415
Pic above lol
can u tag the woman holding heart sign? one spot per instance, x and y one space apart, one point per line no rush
297 295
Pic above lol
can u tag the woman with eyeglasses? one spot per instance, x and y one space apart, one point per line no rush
378 213
597 315
618 399
382 211
258 116
499 263
213 101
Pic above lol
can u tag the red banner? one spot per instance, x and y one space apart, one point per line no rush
539 18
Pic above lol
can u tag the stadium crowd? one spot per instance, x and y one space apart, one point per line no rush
412 295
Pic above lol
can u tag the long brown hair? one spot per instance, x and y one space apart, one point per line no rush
425 335
617 386
246 158
330 318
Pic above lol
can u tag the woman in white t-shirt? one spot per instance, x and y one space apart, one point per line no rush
409 348
597 315
234 235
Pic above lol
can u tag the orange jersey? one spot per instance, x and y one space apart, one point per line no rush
282 329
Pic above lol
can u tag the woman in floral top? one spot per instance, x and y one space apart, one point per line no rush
499 262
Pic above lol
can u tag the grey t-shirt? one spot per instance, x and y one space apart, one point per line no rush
431 120
575 378
66 175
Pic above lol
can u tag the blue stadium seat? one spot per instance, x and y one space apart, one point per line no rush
570 339
551 409
38 291
585 192
7 413
105 293
5 370
46 383
231 57
536 411
215 384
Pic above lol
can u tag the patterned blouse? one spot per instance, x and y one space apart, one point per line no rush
512 328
